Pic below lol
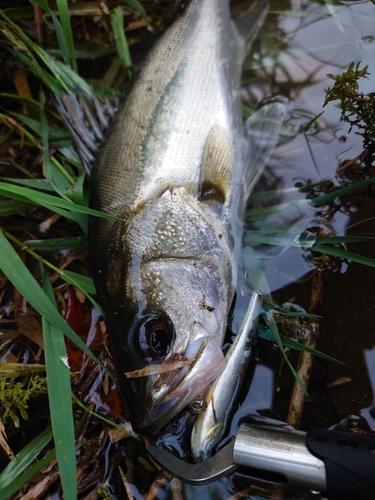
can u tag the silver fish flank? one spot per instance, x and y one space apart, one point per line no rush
176 168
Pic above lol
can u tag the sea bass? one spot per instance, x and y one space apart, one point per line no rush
174 168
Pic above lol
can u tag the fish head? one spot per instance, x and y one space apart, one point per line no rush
166 310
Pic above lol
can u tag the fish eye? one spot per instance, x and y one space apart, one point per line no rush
155 336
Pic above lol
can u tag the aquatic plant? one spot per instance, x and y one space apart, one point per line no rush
357 108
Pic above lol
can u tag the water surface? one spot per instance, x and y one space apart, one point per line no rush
302 42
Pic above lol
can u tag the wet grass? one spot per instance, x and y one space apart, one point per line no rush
55 185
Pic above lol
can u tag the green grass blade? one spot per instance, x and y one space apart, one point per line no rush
63 30
33 183
58 76
293 344
334 240
44 199
62 6
77 192
135 5
272 325
326 198
11 207
100 417
62 40
11 124
59 396
17 483
84 282
311 122
52 245
117 20
63 213
33 124
25 50
24 458
338 252
68 76
70 154
58 180
31 450
18 274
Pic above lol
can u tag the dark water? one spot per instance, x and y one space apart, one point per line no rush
325 39
295 52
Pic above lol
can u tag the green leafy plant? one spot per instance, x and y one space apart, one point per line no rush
357 108
15 396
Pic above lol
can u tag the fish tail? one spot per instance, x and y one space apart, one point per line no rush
87 118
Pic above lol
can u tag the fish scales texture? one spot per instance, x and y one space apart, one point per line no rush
172 167
161 130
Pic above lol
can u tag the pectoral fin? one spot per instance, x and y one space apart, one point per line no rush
217 164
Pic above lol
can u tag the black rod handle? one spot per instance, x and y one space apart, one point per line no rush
349 460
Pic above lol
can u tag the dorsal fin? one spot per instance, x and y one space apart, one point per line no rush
217 164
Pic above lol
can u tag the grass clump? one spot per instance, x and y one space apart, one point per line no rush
15 396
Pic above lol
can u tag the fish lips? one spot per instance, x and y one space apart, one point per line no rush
204 370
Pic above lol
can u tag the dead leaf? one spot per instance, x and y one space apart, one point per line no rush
21 83
78 314
177 489
156 369
27 323
339 381
17 127
131 490
113 401
14 370
117 435
161 481
3 443
47 223
41 488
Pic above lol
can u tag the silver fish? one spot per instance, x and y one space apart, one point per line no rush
212 424
175 168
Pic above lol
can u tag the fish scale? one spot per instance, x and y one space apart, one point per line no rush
175 167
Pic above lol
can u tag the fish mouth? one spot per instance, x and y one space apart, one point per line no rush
206 367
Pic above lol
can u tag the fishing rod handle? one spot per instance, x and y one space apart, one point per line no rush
341 464
278 455
349 460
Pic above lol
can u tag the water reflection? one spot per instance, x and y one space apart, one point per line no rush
304 45
258 398
298 53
